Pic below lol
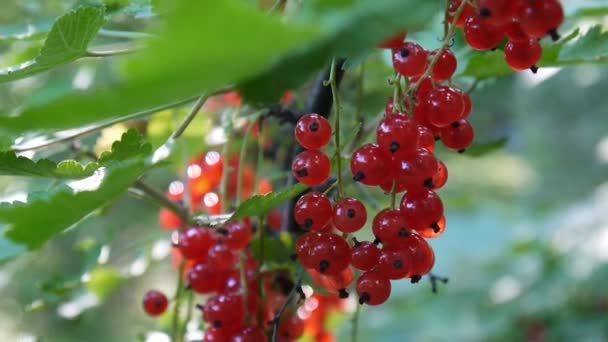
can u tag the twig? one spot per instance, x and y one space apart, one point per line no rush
210 220
338 112
244 287
191 115
277 319
261 292
162 200
189 309
473 86
434 279
175 331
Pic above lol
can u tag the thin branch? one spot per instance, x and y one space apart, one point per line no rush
210 220
191 115
175 331
277 319
473 86
434 281
338 111
162 200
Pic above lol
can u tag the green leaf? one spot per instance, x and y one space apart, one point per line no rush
591 47
66 42
480 149
130 145
13 165
104 281
176 67
46 214
260 205
358 29
274 251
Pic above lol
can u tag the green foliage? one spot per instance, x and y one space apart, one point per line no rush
482 148
13 165
66 42
260 205
104 281
592 47
274 251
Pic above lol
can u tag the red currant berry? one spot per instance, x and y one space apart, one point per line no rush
369 165
311 168
445 67
446 105
397 135
514 32
431 233
410 59
215 335
364 255
468 106
313 211
304 245
541 17
330 254
498 12
221 257
350 215
334 283
204 278
423 257
275 220
373 288
441 177
390 109
417 170
225 311
421 209
395 263
467 12
389 227
238 235
194 243
523 55
426 138
169 220
250 334
394 42
458 136
424 89
313 131
480 35
155 303
291 327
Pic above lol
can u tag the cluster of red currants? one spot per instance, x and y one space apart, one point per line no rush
524 23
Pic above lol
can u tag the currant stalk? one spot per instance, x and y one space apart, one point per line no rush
338 111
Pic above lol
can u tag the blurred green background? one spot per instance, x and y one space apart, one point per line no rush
526 248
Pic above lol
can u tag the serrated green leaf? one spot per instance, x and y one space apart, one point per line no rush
260 205
13 165
274 251
66 42
482 148
104 281
130 145
590 47
369 21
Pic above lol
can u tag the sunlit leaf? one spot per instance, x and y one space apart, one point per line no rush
13 165
260 205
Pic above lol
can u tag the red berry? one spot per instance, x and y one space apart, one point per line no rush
249 334
349 215
221 257
458 136
204 174
424 89
423 257
441 177
390 107
514 32
431 233
215 335
275 220
238 235
194 243
311 168
417 170
313 211
467 12
330 254
410 59
446 105
421 209
445 67
369 165
364 255
334 283
313 131
480 35
498 12
426 138
394 42
389 227
169 220
155 303
373 288
304 245
397 135
204 278
394 262
541 17
468 106
523 55
225 311
291 327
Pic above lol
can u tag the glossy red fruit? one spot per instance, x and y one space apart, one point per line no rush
350 215
394 42
313 131
498 12
215 335
249 334
423 257
421 209
523 55
329 254
445 67
480 35
417 170
221 257
225 311
389 227
275 220
155 303
238 234
336 284
369 165
395 262
169 220
313 211
397 135
390 109
410 59
426 138
311 168
441 177
458 136
514 32
204 174
468 12
304 245
364 255
204 278
432 233
194 243
424 89
373 288
291 327
541 17
446 105
468 106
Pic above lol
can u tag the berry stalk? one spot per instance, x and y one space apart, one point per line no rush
338 111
